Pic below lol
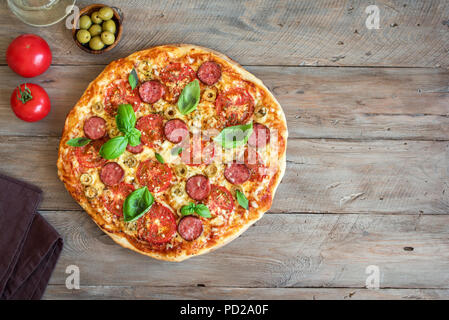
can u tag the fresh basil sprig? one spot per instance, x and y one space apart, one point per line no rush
113 148
242 200
133 79
189 98
126 122
125 118
236 136
133 137
159 158
201 209
78 142
137 204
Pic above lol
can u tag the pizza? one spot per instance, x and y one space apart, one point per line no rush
174 151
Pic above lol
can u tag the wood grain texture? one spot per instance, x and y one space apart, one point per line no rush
265 32
367 172
307 250
226 293
349 103
323 176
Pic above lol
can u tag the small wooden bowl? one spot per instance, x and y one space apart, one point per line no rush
118 19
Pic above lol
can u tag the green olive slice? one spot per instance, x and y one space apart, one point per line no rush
211 170
181 170
177 190
130 161
210 95
97 108
91 192
261 112
170 112
86 179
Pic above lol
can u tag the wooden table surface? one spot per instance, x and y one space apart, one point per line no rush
367 180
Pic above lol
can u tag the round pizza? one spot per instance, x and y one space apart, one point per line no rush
174 151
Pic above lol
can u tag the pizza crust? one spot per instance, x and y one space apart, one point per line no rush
65 169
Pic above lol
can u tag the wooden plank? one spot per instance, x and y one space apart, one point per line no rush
337 176
349 103
309 250
204 293
263 32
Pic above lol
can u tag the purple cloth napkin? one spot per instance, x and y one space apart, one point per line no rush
29 246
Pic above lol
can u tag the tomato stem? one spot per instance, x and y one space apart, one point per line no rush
24 95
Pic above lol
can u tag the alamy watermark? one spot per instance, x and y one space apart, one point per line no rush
373 19
72 282
373 279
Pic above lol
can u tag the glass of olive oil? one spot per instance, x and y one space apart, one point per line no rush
41 13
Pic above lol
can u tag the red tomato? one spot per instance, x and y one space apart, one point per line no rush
29 55
30 102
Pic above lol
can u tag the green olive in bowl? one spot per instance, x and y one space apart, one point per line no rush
109 26
108 38
105 30
83 36
96 17
95 30
85 22
96 43
106 13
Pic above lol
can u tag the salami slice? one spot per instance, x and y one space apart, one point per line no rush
190 228
111 173
260 136
209 72
235 106
198 187
152 130
151 91
158 225
176 130
155 175
137 149
95 128
237 173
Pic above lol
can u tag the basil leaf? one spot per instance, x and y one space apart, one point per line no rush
78 142
125 118
137 204
236 136
188 209
134 137
133 79
159 158
189 98
176 151
203 210
113 148
242 200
